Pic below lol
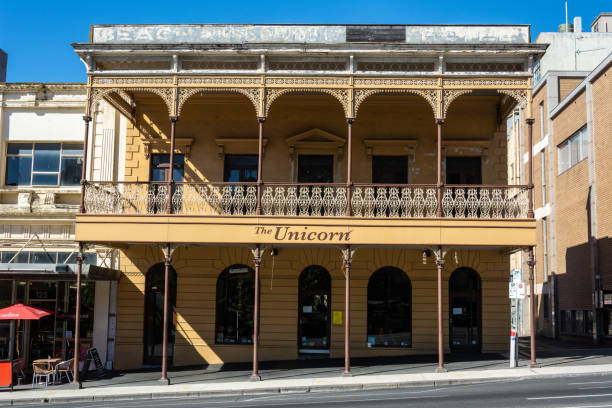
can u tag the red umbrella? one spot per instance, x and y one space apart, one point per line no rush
19 311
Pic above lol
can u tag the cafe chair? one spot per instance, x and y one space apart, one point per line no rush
41 371
64 367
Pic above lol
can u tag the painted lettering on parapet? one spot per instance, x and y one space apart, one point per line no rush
303 234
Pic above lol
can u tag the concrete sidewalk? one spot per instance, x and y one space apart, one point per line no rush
300 385
556 359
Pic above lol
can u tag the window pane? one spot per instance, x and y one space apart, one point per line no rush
62 256
90 258
18 170
72 149
240 168
44 179
585 143
562 159
46 157
574 151
6 256
71 171
42 257
19 148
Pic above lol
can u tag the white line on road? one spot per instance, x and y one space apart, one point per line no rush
590 382
570 396
606 387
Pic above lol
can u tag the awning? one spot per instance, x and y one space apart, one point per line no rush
56 272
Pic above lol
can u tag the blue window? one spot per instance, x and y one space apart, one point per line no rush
44 164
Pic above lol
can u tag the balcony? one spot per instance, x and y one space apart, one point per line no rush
308 200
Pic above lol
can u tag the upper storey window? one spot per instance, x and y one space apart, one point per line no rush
463 170
44 164
390 169
573 149
240 168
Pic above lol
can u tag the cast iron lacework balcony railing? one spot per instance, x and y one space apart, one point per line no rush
308 200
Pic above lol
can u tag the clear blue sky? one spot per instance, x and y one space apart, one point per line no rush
37 34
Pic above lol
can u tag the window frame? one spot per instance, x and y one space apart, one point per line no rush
32 172
580 139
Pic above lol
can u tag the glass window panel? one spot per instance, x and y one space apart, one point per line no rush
563 157
90 258
62 256
574 151
42 290
19 148
240 168
585 143
46 156
71 171
22 257
71 258
72 149
45 179
42 257
18 170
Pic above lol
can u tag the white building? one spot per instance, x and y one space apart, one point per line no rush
41 154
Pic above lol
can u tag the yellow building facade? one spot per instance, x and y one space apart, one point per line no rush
345 197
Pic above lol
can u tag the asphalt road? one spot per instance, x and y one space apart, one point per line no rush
590 391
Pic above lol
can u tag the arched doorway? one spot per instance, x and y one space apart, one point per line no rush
154 315
314 310
465 310
389 308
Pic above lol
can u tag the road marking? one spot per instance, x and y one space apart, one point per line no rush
607 387
590 382
570 396
321 394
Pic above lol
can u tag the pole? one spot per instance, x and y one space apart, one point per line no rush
77 316
164 370
439 123
349 171
257 261
261 121
530 213
347 311
12 332
440 266
532 345
87 119
170 175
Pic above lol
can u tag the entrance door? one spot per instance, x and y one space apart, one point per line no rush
314 311
465 310
463 170
154 315
315 168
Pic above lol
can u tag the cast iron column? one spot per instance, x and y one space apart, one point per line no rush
532 345
77 316
87 119
170 176
530 167
257 261
349 171
439 123
347 311
261 121
167 260
440 265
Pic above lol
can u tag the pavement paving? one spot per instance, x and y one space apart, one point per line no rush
555 359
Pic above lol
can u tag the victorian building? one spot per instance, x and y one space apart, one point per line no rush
296 190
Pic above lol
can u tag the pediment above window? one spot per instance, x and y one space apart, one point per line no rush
315 141
390 147
467 147
238 145
182 145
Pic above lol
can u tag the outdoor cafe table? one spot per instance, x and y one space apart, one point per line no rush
51 362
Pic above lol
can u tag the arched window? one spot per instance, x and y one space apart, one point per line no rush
235 301
389 309
154 314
